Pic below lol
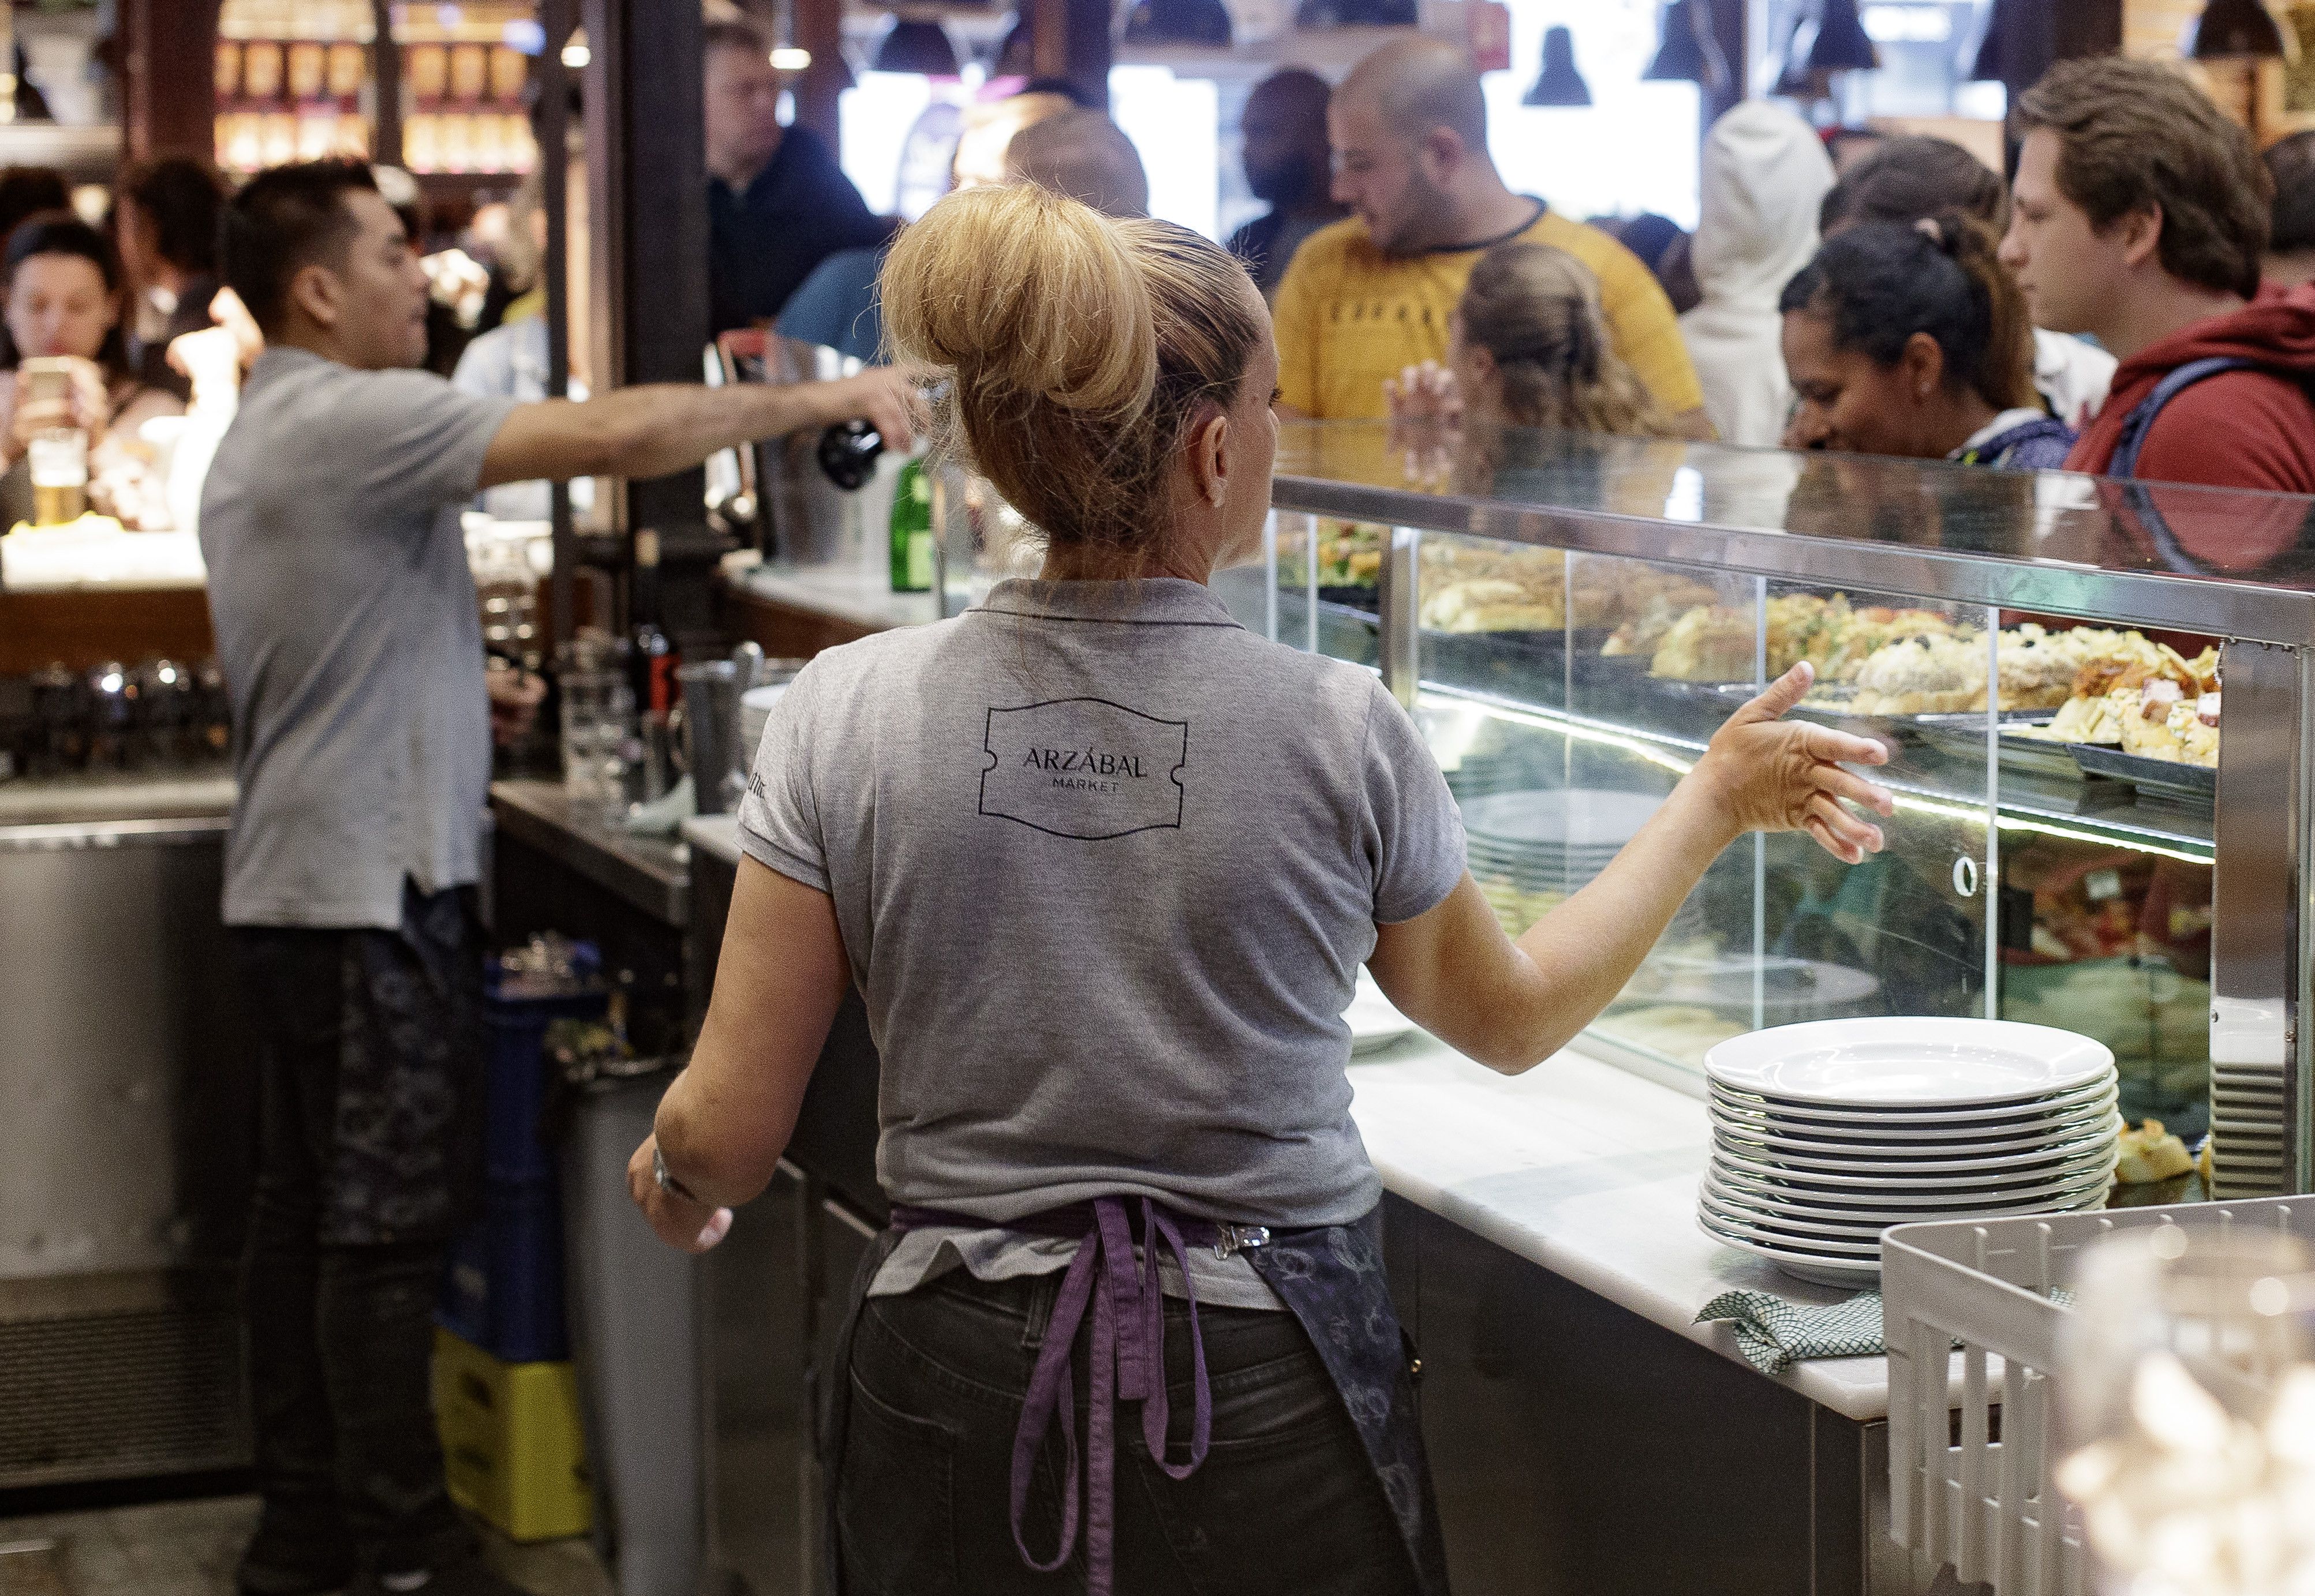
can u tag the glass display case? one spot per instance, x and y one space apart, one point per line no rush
2075 843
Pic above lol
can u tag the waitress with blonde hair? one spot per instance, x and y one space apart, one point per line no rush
1104 866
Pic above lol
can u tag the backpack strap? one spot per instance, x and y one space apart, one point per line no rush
2140 422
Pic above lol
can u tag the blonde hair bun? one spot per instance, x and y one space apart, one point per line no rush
1026 295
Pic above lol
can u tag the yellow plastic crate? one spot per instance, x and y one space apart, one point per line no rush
511 1445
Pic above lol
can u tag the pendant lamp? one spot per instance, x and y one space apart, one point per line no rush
1690 51
1560 83
2234 30
1841 43
918 44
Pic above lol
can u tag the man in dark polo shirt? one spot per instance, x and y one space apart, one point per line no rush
346 623
777 203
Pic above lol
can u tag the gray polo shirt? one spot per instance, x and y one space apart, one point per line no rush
1107 865
346 625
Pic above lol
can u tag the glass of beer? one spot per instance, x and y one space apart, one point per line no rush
58 457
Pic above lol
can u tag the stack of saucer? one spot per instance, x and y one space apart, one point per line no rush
1824 1135
1554 840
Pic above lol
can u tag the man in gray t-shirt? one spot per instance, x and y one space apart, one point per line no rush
346 624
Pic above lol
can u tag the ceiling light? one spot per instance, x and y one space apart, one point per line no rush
1690 51
1559 84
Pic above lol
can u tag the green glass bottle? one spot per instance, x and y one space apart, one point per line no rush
912 529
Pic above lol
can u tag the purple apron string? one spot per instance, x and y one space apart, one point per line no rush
1154 1415
1127 1362
1051 1386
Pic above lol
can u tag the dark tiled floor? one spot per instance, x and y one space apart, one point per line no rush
188 1549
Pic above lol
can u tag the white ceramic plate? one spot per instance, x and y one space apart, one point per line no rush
1571 819
1831 1227
1911 1148
1816 1269
1868 1246
1934 1122
1908 1063
1771 1196
1875 1179
1375 1022
2040 1157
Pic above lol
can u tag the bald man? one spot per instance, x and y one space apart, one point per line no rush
1371 294
1287 165
1086 156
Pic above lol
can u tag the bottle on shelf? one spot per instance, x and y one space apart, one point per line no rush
913 545
652 656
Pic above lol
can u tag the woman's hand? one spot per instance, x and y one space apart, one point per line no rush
86 405
687 1225
1426 419
1768 773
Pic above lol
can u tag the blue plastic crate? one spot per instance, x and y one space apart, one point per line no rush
502 1283
515 1093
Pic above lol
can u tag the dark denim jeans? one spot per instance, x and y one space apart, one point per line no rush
1285 1503
367 1054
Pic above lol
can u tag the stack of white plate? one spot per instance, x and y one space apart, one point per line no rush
1554 840
1824 1135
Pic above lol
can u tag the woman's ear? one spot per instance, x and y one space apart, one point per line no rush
1210 462
1923 362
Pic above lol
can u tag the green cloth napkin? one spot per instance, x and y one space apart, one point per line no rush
1774 1333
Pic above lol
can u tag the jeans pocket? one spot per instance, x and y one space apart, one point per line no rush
895 1502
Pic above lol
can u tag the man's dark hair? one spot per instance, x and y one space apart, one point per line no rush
2291 162
2137 135
732 36
283 222
27 191
1913 177
183 198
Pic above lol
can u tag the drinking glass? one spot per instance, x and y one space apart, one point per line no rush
2188 1411
598 729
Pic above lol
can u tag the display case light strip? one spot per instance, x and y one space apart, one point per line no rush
1590 732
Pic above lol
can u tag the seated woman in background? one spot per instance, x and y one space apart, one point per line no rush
65 301
1527 350
1915 340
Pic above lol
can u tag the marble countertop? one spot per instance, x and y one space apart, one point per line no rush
1578 1165
854 591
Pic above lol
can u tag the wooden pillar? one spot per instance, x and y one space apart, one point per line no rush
1070 39
168 88
1726 19
819 27
647 175
385 86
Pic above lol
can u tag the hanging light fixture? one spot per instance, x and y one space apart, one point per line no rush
1691 50
1841 43
918 44
1559 83
2234 30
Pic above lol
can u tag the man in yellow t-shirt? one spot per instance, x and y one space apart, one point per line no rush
1371 296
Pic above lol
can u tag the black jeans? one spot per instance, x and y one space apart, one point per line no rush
368 1158
1286 1501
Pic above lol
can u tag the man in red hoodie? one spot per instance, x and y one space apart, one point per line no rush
2139 215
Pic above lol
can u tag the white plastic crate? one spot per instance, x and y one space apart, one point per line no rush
1958 1495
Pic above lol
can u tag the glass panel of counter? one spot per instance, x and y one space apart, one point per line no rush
2053 854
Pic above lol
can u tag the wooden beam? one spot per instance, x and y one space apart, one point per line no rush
168 85
385 86
647 169
819 28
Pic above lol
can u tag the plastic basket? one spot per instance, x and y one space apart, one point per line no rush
511 1446
1975 1488
515 1092
503 1283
